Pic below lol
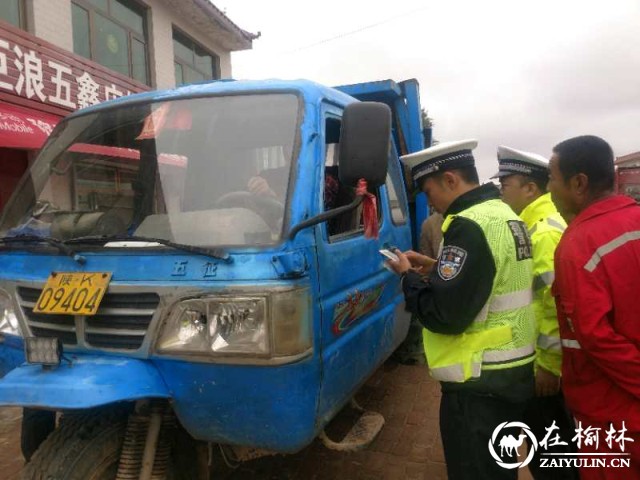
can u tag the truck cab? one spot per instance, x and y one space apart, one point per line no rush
202 250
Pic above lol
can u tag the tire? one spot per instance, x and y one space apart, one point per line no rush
185 465
36 426
85 446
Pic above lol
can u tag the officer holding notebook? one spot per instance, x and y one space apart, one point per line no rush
475 304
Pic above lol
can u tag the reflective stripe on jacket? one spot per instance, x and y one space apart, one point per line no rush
597 286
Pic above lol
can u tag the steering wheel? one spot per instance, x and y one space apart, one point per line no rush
268 208
41 207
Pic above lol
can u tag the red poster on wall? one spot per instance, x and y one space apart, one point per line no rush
24 128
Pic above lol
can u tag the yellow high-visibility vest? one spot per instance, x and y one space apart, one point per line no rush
545 227
502 335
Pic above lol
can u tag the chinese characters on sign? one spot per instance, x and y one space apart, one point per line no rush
589 436
32 75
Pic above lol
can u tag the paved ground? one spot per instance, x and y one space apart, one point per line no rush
408 448
11 460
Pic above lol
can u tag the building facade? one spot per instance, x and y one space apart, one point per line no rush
57 56
628 175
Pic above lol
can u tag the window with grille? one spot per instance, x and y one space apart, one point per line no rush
192 62
112 33
12 11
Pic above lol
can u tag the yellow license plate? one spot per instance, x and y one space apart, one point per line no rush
73 293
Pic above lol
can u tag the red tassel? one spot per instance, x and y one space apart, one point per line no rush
369 210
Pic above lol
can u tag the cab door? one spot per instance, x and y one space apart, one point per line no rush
363 318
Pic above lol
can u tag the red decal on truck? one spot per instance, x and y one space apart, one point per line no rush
356 306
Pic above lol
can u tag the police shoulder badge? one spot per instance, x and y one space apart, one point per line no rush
522 239
450 262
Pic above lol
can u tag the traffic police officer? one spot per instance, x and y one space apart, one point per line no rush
523 178
475 304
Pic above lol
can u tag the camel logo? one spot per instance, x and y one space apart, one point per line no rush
509 444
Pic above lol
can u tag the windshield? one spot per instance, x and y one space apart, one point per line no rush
202 172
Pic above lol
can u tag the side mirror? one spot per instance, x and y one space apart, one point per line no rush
365 142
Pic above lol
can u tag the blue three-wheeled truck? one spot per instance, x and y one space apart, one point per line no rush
189 276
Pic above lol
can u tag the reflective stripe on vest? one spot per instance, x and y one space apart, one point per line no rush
551 223
571 344
610 247
555 224
452 373
547 342
507 301
455 373
497 356
543 280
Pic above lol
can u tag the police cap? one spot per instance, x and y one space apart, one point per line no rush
440 158
518 162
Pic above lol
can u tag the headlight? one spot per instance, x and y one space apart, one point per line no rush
8 320
234 325
271 324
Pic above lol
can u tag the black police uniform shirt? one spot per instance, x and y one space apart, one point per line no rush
448 300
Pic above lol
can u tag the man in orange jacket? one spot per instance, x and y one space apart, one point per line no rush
597 285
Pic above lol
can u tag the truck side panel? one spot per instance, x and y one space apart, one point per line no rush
362 316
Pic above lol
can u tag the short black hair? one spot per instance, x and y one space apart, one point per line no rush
468 174
589 155
540 182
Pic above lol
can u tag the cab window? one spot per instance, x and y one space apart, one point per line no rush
395 187
336 194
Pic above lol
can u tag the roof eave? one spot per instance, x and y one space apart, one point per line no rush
635 156
242 39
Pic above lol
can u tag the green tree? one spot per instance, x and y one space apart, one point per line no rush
427 128
427 121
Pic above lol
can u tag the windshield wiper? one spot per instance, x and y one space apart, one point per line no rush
51 241
218 253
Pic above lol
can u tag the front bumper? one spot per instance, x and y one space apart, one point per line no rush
88 381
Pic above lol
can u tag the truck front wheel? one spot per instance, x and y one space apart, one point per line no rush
84 447
88 446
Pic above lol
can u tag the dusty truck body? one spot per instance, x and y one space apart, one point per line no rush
192 264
